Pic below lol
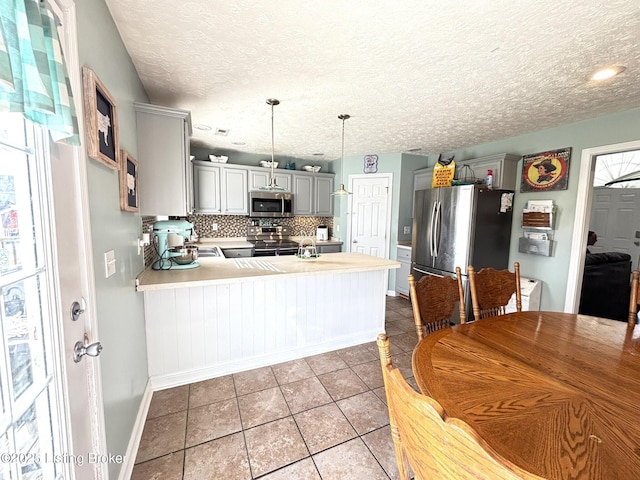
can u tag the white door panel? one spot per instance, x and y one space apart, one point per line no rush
370 214
615 217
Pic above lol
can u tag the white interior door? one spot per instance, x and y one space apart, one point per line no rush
370 214
75 280
615 217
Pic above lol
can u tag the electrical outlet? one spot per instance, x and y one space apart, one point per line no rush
407 230
337 228
214 227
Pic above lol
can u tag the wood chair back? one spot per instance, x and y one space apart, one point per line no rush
492 289
635 296
429 443
433 300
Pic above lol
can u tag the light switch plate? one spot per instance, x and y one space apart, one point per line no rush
407 230
109 263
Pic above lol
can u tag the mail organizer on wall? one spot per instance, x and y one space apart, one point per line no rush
538 219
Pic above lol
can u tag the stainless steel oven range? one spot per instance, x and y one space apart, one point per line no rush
271 241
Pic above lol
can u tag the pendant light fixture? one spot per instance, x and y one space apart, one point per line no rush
342 192
273 185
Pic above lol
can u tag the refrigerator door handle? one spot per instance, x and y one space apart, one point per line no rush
432 229
435 233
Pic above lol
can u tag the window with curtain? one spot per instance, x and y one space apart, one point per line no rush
33 74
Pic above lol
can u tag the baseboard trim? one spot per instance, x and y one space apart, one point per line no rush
136 435
161 382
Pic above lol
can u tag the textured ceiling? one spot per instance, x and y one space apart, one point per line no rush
431 74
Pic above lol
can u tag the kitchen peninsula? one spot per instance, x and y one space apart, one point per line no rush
231 315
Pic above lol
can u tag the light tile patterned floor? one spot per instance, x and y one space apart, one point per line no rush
321 417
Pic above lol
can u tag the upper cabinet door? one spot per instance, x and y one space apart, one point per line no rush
206 186
303 195
261 178
163 158
235 191
323 199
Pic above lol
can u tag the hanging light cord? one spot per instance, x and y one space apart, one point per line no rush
273 102
342 117
342 191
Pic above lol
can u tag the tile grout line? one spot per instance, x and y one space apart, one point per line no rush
399 317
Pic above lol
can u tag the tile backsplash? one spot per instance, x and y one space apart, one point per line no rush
236 225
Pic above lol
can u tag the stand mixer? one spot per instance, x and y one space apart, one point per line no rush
173 257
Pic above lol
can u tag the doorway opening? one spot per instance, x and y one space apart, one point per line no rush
584 203
615 205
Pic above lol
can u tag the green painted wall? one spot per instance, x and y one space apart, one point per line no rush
606 130
119 307
401 166
552 271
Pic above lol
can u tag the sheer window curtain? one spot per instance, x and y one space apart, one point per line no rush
33 74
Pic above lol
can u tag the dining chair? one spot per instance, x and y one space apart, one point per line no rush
492 289
634 300
433 299
431 444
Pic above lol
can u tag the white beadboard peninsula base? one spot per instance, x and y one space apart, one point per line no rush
199 332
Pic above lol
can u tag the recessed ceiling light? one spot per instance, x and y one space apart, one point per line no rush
200 126
608 72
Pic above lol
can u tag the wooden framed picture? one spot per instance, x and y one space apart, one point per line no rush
128 182
100 120
546 171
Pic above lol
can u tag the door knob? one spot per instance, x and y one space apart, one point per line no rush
355 241
81 349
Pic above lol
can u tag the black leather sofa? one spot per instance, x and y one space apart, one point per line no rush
606 285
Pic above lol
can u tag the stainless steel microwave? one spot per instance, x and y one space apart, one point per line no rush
270 204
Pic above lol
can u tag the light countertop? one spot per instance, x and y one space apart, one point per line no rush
234 270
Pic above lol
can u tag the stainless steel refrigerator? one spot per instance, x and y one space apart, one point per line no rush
457 227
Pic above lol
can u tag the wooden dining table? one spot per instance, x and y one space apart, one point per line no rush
558 394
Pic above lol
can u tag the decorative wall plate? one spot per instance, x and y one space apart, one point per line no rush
370 163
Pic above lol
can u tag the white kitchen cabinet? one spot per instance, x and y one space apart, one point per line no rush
503 165
422 178
220 189
165 183
206 188
312 194
302 195
235 191
323 199
262 177
403 255
224 188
